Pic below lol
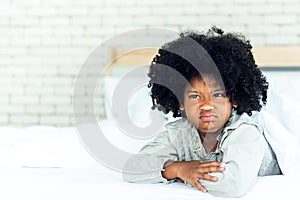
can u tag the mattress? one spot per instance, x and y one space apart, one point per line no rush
93 183
42 162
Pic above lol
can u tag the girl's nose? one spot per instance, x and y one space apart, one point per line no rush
207 105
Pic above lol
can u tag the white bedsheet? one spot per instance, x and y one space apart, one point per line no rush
90 184
51 163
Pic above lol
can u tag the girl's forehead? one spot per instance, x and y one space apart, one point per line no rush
207 81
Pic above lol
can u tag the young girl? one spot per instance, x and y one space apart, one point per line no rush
215 146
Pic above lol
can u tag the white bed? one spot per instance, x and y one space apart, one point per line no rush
92 184
51 163
40 162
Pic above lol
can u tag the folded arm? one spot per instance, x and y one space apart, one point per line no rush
243 155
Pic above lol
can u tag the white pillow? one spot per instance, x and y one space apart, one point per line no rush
283 98
138 105
285 110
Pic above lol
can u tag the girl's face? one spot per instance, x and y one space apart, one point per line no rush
206 105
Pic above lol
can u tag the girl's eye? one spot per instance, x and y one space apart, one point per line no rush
219 95
194 96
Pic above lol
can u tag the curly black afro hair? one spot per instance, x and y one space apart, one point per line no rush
230 54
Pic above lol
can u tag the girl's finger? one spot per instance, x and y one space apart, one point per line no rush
198 185
213 164
208 177
210 169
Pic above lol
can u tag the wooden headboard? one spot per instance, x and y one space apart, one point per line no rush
277 56
265 57
137 57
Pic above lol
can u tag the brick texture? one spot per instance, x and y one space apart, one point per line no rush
43 43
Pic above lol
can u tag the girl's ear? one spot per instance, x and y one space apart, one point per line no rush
234 105
181 111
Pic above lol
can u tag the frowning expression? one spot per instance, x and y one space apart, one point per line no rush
206 104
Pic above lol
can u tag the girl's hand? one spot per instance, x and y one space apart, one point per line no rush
192 171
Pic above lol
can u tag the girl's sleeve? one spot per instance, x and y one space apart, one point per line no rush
243 152
147 165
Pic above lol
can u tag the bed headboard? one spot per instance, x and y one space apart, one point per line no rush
267 57
280 57
139 57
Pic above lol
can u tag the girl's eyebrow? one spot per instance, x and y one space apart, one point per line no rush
213 90
218 90
191 91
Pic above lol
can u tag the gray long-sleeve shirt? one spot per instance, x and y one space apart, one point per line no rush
242 147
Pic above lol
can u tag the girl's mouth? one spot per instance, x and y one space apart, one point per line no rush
207 118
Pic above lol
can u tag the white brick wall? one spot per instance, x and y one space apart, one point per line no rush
43 43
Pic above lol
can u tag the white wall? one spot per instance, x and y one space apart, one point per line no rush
43 43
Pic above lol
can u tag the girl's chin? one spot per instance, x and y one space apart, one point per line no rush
208 129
